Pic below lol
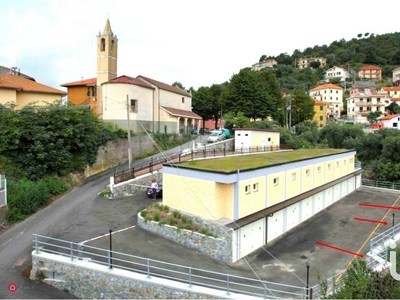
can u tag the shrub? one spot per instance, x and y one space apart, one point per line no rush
25 197
54 185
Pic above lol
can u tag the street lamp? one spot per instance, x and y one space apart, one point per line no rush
308 273
111 264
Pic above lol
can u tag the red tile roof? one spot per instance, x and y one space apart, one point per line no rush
181 113
395 99
84 82
19 83
326 86
370 67
165 86
391 88
130 80
388 117
319 102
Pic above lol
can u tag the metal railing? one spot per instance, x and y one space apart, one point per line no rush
155 164
381 184
154 268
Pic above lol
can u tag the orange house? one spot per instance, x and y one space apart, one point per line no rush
82 92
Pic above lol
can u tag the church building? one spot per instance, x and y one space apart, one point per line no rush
147 103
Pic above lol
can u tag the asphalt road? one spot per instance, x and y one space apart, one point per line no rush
77 216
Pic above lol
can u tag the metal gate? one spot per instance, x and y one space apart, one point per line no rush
3 190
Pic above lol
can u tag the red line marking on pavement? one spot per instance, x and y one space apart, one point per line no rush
372 221
379 206
340 249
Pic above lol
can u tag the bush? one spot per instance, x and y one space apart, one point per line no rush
54 185
25 197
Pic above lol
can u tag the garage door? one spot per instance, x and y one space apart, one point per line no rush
318 202
275 225
292 216
328 196
252 237
358 181
306 207
336 192
343 188
350 184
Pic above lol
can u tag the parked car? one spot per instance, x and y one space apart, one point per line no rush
216 136
149 191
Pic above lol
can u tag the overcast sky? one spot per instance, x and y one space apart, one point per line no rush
197 43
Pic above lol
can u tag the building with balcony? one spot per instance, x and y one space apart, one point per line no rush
305 62
370 72
258 198
269 63
396 76
393 92
332 94
363 101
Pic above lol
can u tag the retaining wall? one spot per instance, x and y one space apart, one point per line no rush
87 280
219 248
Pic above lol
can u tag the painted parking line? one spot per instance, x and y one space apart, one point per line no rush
367 240
105 235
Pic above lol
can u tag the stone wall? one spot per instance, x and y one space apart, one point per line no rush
219 248
136 185
116 153
87 280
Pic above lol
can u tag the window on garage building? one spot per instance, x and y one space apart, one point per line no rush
276 181
247 189
308 172
255 187
293 176
329 166
319 169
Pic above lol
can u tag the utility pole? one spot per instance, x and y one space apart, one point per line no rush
129 133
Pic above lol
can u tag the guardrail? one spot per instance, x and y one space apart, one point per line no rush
381 184
155 268
155 164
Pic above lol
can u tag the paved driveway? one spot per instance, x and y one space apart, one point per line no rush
284 261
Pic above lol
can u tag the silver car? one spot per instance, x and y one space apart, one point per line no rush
216 136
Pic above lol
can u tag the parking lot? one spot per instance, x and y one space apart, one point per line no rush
282 261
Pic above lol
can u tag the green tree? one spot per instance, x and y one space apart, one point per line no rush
51 139
262 58
315 64
179 85
393 108
253 93
373 116
302 108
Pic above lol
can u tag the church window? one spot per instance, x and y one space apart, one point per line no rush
112 46
103 45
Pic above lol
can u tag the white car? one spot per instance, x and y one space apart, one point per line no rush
216 136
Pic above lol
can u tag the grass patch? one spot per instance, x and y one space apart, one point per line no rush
243 162
163 215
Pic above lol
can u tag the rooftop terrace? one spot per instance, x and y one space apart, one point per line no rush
252 161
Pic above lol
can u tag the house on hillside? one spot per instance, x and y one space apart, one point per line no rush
370 72
268 63
337 72
22 91
329 93
391 92
320 109
149 104
362 101
396 76
305 62
390 121
260 197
